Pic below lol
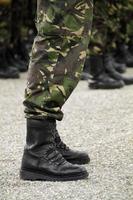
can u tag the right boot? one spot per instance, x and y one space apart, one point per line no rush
100 79
41 160
123 55
120 67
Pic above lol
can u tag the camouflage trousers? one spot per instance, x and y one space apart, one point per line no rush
57 56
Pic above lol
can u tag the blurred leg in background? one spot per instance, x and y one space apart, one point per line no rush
17 26
6 69
106 60
17 54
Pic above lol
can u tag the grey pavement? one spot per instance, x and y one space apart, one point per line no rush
100 122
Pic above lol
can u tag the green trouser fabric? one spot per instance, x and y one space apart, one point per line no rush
58 55
99 28
125 16
105 27
4 24
110 25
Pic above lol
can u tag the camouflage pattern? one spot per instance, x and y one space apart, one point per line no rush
110 25
99 29
120 12
125 16
58 55
4 24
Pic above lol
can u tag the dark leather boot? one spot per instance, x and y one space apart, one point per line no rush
109 65
74 157
14 60
130 45
100 79
120 67
123 55
41 159
6 71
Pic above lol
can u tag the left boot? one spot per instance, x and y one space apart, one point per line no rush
74 157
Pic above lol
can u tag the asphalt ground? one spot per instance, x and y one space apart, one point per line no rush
98 121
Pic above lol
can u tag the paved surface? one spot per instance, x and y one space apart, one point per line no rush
100 122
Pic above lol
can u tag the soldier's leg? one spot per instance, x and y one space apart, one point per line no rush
130 26
6 70
125 14
115 32
100 46
58 55
56 63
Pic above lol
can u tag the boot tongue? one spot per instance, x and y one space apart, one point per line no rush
59 143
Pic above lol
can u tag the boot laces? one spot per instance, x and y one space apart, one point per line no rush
55 157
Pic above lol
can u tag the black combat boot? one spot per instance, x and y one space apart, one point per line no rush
7 71
14 60
41 159
74 157
130 45
120 67
85 74
109 65
123 55
100 79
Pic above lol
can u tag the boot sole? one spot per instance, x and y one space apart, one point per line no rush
32 176
128 82
79 162
105 87
10 77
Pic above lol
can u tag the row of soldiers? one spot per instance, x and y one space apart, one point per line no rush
110 50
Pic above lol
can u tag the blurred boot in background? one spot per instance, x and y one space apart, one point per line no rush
6 70
100 78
